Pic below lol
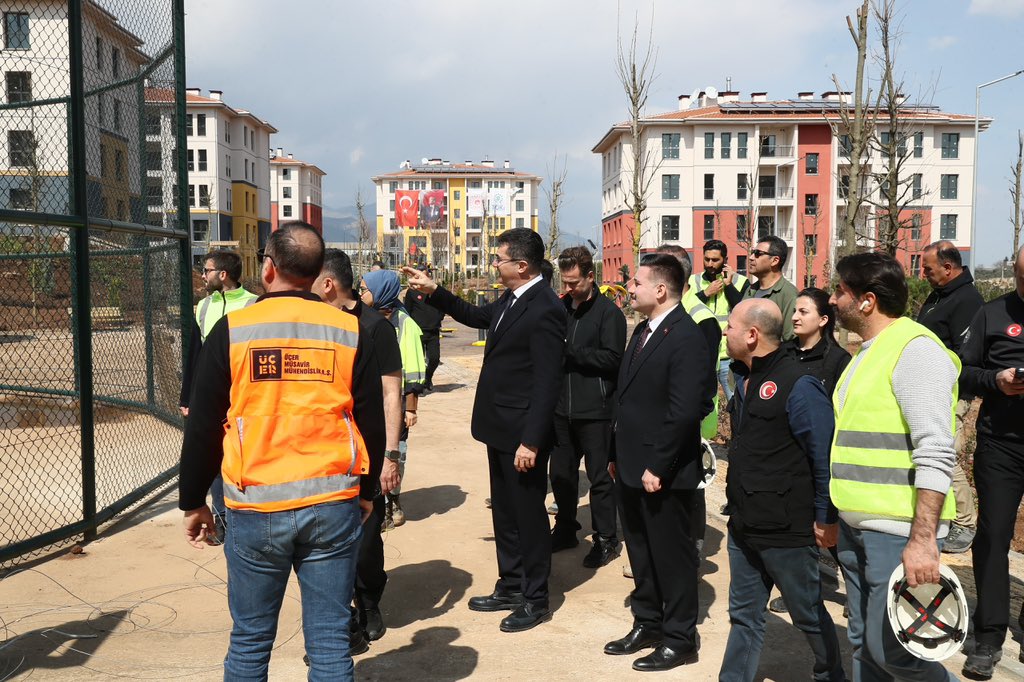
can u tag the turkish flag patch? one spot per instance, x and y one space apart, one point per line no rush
768 389
1013 330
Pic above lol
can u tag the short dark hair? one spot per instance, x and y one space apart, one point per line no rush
378 264
523 244
297 250
776 247
666 268
681 254
824 309
338 265
879 274
576 257
946 252
228 261
547 271
716 245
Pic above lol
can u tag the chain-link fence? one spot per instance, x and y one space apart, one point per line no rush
94 263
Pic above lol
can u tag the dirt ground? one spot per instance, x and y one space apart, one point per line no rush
140 603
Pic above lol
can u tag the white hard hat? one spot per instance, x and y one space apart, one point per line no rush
930 621
708 464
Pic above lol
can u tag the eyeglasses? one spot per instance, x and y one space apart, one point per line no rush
261 254
757 253
207 271
498 261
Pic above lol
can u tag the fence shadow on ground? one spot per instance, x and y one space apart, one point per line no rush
432 655
422 503
67 645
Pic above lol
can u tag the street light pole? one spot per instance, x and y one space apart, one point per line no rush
974 183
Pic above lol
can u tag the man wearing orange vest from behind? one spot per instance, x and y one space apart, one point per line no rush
272 410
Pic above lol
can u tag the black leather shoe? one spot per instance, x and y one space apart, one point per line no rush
497 601
563 540
375 627
600 554
637 639
664 658
525 617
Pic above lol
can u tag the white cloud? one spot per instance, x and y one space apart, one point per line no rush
941 42
356 155
998 8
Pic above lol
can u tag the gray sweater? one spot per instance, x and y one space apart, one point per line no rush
923 382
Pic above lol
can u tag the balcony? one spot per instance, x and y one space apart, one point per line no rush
783 193
776 151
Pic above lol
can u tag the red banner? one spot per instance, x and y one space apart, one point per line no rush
407 208
432 210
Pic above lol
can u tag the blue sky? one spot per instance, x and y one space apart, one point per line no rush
358 87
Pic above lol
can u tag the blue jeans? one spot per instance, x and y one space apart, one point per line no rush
217 496
868 559
795 571
321 543
723 378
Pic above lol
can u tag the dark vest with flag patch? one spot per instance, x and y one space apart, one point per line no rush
769 486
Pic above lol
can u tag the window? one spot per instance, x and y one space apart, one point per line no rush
918 145
21 147
246 168
200 230
437 184
188 124
246 201
951 145
458 195
765 226
669 186
227 132
766 187
901 145
286 192
287 175
768 145
947 226
16 34
521 185
204 195
726 145
227 165
520 204
190 156
741 145
99 53
915 186
844 186
115 62
101 106
709 145
391 205
474 223
20 199
915 265
202 159
475 184
119 164
741 264
741 185
670 228
845 145
915 227
19 86
121 213
709 227
948 188
287 210
811 204
520 222
670 145
458 214
709 186
155 194
191 195
741 227
117 115
884 188
201 125
811 164
810 244
245 136
103 160
152 123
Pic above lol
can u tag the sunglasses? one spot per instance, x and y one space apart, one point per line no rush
757 253
261 254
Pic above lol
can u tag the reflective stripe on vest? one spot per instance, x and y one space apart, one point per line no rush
717 304
872 453
290 441
236 299
700 312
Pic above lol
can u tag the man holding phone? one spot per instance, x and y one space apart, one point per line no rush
720 289
993 369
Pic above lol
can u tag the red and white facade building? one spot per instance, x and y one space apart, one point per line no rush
296 191
708 158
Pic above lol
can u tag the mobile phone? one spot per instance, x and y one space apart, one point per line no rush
1018 374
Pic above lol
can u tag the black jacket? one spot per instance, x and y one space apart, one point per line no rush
426 316
948 310
594 342
659 402
825 360
994 342
522 369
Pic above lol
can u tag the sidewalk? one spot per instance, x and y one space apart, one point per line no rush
141 604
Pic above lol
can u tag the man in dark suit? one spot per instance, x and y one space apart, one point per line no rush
663 384
513 416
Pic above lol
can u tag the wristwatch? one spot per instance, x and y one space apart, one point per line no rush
393 455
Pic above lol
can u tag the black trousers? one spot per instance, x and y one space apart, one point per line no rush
576 439
522 536
656 527
999 477
432 354
698 515
370 575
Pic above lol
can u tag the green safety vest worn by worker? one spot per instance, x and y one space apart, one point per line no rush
717 304
410 343
872 455
700 312
218 304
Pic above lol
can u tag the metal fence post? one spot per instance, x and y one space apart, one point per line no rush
80 248
184 218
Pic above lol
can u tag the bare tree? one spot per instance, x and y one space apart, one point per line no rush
636 72
1015 193
855 128
555 192
362 226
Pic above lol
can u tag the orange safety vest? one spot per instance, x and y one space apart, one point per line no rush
290 440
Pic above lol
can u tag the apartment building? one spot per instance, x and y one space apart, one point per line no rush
34 139
296 191
480 201
228 158
731 169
